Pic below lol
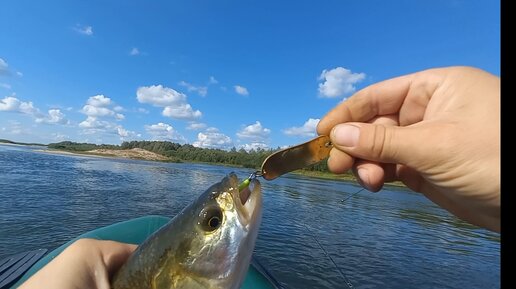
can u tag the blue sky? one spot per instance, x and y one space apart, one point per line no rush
217 73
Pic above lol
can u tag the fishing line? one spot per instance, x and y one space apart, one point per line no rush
350 196
350 285
348 282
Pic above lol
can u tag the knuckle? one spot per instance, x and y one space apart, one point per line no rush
381 143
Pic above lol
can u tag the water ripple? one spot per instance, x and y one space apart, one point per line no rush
392 239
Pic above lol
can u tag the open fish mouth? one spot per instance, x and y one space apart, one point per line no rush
247 200
244 195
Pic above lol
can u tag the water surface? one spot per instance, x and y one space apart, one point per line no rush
392 239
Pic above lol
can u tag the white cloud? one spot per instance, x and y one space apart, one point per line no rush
241 90
134 51
211 138
91 110
254 132
201 90
159 95
93 124
11 103
196 126
174 103
163 131
307 130
182 111
100 111
97 106
4 67
5 85
126 134
254 146
99 101
122 132
19 74
212 80
83 29
55 116
118 108
338 82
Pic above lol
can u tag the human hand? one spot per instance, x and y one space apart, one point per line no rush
437 131
87 263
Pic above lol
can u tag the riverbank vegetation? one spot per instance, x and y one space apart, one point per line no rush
175 152
185 152
6 141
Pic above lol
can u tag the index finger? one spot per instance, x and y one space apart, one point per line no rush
405 96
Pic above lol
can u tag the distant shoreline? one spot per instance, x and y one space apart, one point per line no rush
141 154
306 173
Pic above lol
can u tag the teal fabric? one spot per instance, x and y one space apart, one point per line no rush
135 231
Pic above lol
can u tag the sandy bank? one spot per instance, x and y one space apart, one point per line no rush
135 153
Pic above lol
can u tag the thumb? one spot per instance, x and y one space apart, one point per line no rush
378 143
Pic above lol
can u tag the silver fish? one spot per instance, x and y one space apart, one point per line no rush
207 245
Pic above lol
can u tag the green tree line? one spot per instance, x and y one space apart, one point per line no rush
187 153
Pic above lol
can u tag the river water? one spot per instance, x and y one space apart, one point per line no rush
392 239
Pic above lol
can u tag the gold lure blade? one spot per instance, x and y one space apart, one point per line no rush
296 157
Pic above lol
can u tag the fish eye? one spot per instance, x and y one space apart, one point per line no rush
211 219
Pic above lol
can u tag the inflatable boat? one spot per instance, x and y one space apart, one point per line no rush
18 268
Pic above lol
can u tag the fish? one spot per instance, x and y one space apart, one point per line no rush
209 244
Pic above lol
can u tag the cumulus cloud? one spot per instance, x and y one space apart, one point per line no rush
91 110
93 125
255 146
241 90
83 29
212 138
181 111
254 132
174 103
100 112
13 104
118 108
159 95
55 116
125 134
163 131
338 82
99 101
196 126
307 130
98 106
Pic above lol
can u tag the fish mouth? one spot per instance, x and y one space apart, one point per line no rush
248 201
